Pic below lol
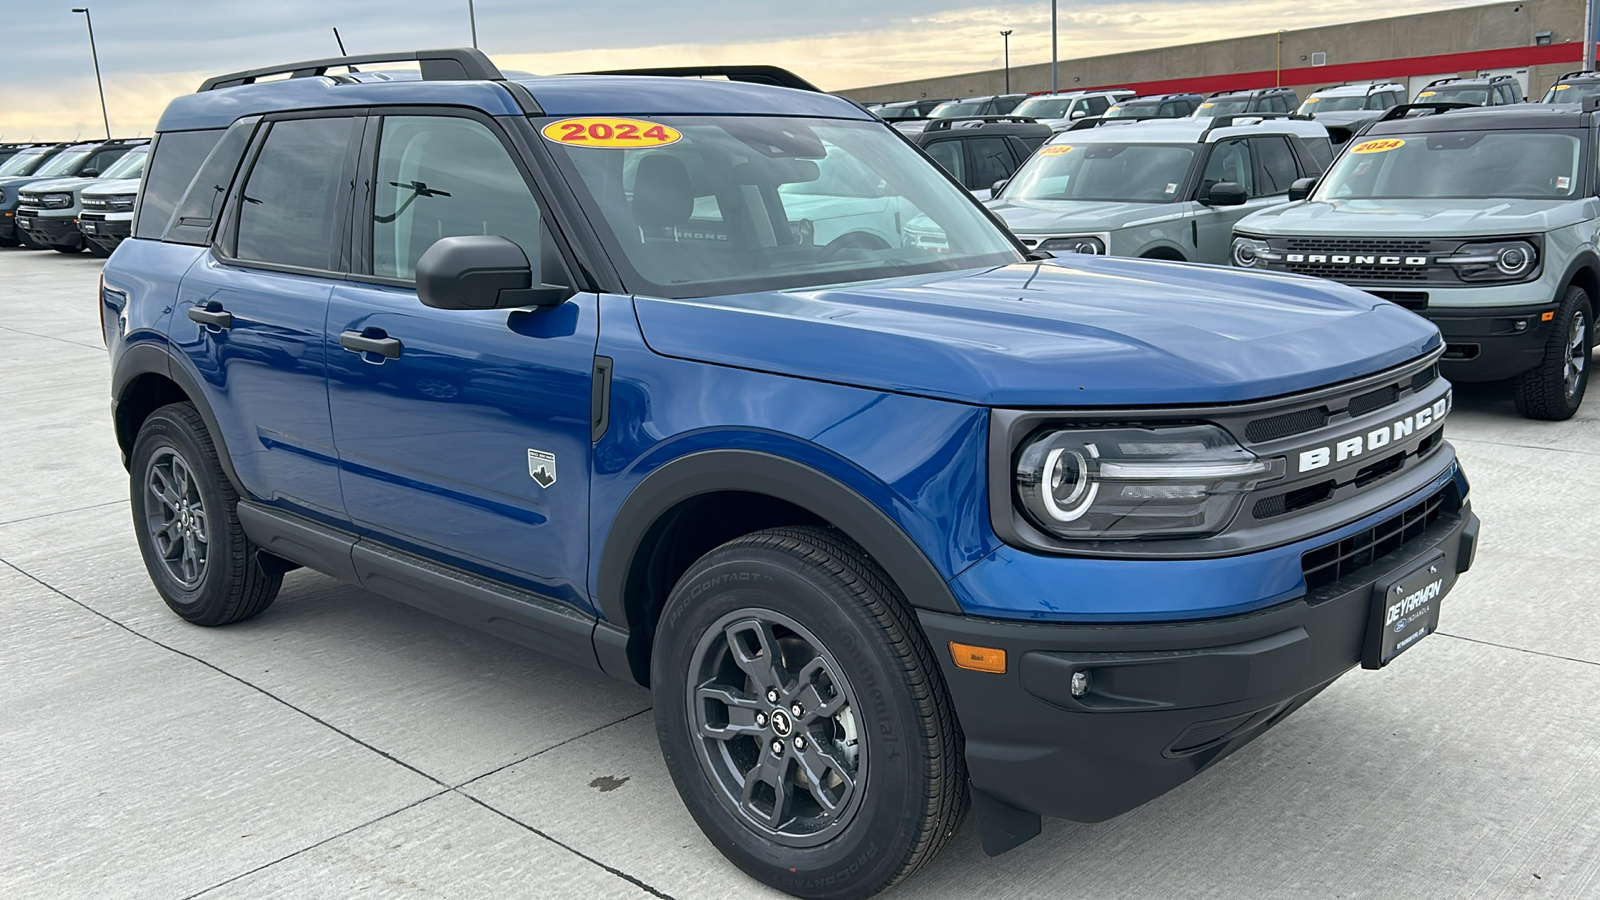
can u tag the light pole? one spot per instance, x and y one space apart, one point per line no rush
472 16
1006 37
95 54
1054 85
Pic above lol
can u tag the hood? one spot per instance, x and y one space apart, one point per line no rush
1348 116
1418 218
106 187
1092 331
1062 216
56 185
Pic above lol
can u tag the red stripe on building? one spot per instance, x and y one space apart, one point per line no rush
1570 53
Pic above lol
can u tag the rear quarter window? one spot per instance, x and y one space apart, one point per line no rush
173 163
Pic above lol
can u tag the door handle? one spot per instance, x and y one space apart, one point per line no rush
216 318
357 342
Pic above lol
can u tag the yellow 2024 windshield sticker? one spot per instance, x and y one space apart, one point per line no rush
598 131
1055 149
1383 146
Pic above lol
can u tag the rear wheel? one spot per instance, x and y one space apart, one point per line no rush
186 520
802 716
1554 389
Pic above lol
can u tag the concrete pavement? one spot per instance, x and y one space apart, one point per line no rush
342 744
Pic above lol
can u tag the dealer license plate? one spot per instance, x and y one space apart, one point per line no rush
1404 611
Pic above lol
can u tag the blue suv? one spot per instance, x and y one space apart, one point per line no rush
644 372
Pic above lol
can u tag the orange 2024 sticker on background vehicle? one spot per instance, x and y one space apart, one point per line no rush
1055 150
1382 146
613 133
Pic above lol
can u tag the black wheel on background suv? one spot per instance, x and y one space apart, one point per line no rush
1554 389
802 716
184 515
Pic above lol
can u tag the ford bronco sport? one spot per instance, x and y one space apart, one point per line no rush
887 528
1485 221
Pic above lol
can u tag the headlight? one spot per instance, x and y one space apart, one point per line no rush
121 203
56 201
1090 245
1493 261
1127 483
1249 253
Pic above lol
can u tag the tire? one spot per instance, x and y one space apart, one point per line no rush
9 242
1553 390
185 517
873 807
96 250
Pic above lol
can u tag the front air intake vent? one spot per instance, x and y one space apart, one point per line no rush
1289 424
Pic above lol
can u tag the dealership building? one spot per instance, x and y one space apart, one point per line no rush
1534 40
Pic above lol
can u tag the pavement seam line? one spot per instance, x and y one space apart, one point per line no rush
517 762
51 337
342 733
1461 440
309 847
1586 662
62 512
654 892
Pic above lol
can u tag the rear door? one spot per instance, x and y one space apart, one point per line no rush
251 313
469 441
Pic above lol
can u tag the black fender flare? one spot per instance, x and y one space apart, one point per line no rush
151 359
1583 261
756 472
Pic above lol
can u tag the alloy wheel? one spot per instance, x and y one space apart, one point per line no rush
176 520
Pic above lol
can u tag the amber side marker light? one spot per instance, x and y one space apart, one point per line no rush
1547 317
978 659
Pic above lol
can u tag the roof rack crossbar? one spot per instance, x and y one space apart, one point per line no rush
456 64
947 123
771 75
1405 109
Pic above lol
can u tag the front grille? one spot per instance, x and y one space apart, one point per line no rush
1424 378
1416 301
1379 246
1343 559
1353 272
1373 400
1274 428
94 203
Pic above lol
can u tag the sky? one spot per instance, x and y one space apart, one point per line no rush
153 50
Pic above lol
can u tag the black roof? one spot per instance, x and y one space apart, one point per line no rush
983 125
1519 116
1469 82
1155 98
1586 75
1246 91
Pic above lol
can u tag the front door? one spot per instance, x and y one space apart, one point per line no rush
1230 160
251 320
466 437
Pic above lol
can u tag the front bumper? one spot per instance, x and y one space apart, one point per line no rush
1165 701
104 230
8 224
1492 343
48 229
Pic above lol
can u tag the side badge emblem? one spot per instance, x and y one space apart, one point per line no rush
542 467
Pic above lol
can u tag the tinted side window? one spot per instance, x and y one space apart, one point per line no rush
1278 103
1317 154
1095 105
1230 161
1005 105
173 163
948 155
287 213
102 160
1277 165
203 202
439 177
991 161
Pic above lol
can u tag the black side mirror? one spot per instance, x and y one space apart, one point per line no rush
994 189
1226 193
480 271
1302 188
90 172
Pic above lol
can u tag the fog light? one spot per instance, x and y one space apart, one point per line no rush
1080 684
1519 325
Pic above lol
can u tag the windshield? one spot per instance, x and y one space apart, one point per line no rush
1475 96
952 110
1043 108
25 162
1231 107
129 166
897 112
1314 105
65 163
1533 165
1133 108
1572 93
1137 173
731 204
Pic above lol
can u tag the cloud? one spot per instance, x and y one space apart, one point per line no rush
152 50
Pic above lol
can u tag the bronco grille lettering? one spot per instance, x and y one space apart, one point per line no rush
1355 445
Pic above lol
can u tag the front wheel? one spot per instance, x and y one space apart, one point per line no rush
186 520
1553 390
803 718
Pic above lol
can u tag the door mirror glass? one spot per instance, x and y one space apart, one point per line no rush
1302 188
1226 193
481 271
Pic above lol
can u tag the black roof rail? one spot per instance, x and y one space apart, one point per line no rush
772 75
1097 121
948 123
1578 73
458 64
1439 82
1432 109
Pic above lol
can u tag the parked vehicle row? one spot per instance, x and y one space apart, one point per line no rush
69 197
